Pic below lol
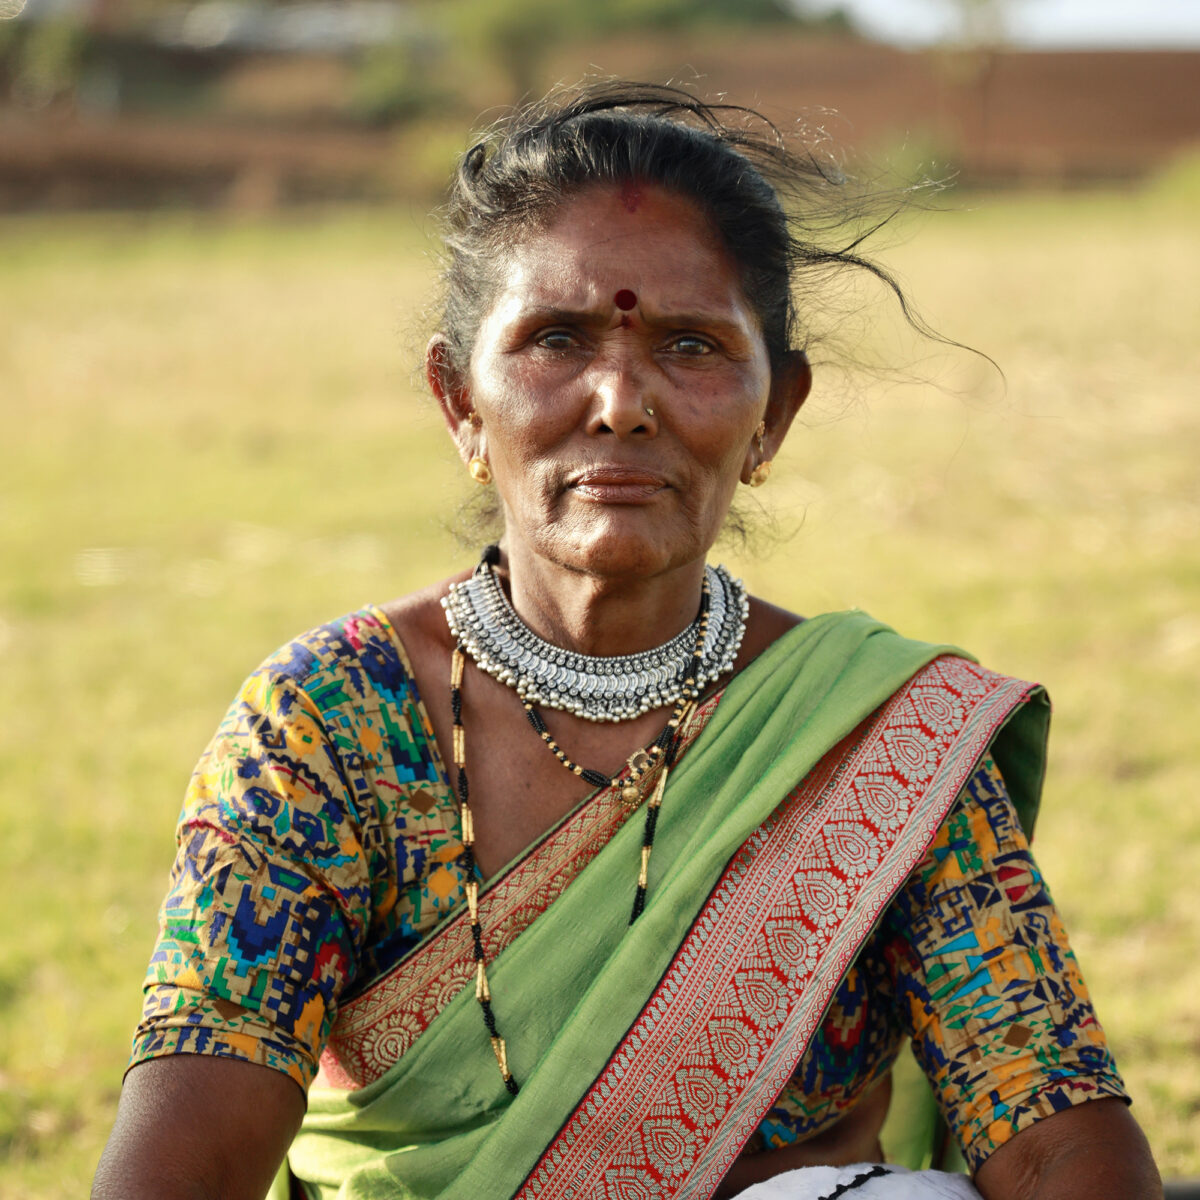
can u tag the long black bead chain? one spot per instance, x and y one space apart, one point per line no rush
665 747
482 991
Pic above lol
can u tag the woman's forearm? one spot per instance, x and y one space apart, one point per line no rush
1095 1151
196 1128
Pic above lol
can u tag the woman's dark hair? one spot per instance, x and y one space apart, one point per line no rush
785 215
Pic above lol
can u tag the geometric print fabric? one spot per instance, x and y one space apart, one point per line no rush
971 964
319 844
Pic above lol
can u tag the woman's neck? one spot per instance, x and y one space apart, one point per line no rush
596 615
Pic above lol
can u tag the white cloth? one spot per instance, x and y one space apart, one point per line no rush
818 1183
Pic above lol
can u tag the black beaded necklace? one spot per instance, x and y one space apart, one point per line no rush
663 748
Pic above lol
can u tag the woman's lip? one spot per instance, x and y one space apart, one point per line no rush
617 484
618 475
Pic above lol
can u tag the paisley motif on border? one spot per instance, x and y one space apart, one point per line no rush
775 920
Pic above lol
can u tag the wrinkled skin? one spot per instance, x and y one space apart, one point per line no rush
617 437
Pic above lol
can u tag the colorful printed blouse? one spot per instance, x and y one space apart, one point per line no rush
319 843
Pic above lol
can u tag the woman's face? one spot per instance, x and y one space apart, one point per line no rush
617 383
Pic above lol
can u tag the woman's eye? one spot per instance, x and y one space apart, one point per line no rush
690 344
556 339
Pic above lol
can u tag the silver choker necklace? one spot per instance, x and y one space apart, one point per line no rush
599 689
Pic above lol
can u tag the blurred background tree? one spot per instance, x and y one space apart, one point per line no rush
517 35
980 22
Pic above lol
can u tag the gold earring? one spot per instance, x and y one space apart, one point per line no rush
479 470
762 472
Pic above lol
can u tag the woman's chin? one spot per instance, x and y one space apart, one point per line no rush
621 542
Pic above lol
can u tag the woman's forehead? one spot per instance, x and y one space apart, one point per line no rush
622 238
609 213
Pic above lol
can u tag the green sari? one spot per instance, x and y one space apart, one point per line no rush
576 992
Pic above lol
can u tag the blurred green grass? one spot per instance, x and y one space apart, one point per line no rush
214 439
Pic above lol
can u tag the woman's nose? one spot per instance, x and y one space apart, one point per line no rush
622 400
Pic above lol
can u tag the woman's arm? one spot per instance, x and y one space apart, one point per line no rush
989 989
261 925
1095 1151
191 1127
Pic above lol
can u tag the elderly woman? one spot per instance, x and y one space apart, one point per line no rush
584 873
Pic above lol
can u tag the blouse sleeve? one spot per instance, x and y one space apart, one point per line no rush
269 898
986 983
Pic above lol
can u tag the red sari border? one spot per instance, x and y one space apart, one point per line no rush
746 991
374 1029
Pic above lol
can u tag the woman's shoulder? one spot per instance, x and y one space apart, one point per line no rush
372 647
355 653
418 617
766 623
770 624
418 624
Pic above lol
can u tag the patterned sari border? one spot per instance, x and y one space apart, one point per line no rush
747 989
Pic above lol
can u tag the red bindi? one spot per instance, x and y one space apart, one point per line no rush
631 196
625 299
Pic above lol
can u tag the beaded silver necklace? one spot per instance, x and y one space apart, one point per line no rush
598 689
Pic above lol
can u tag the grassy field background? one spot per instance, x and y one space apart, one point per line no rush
213 439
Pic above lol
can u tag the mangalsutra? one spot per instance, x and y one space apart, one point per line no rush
663 749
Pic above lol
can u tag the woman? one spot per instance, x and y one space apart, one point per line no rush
584 874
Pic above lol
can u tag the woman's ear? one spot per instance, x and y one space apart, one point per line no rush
453 396
791 382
